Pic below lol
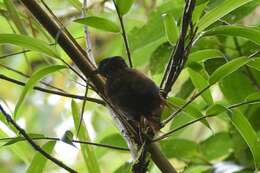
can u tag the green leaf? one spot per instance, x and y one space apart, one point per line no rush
171 28
203 55
216 109
29 43
124 6
76 3
197 169
99 23
125 168
255 97
217 147
190 109
15 16
227 69
255 63
21 138
37 76
250 33
113 139
179 148
221 10
39 161
200 83
245 129
86 150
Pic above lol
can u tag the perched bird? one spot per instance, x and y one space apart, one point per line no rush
134 93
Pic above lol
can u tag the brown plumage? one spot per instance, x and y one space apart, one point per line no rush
134 93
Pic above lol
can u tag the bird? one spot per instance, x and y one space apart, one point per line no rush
136 95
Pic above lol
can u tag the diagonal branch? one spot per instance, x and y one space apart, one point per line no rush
83 62
33 144
180 52
54 92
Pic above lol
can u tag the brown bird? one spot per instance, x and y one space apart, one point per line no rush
134 93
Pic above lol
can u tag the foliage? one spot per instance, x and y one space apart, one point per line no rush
224 59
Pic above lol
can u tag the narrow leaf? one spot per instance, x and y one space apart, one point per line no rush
86 150
28 43
227 69
190 109
200 83
124 6
15 16
76 3
39 161
221 10
171 28
245 129
216 109
250 33
37 76
99 23
203 55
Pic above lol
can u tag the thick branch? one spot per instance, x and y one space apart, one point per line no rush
33 144
180 53
80 58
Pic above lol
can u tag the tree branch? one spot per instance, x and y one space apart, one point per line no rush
33 144
124 35
54 92
81 59
204 117
180 52
75 141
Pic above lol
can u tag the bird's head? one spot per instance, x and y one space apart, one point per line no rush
111 66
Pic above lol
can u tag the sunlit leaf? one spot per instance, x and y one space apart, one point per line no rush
200 83
29 43
86 150
250 33
190 109
37 76
15 16
179 148
39 161
171 28
245 129
203 55
217 147
221 10
99 23
216 109
76 3
227 69
124 6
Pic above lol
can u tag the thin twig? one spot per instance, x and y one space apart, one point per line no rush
203 117
250 75
27 76
184 106
54 92
33 144
75 141
124 35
